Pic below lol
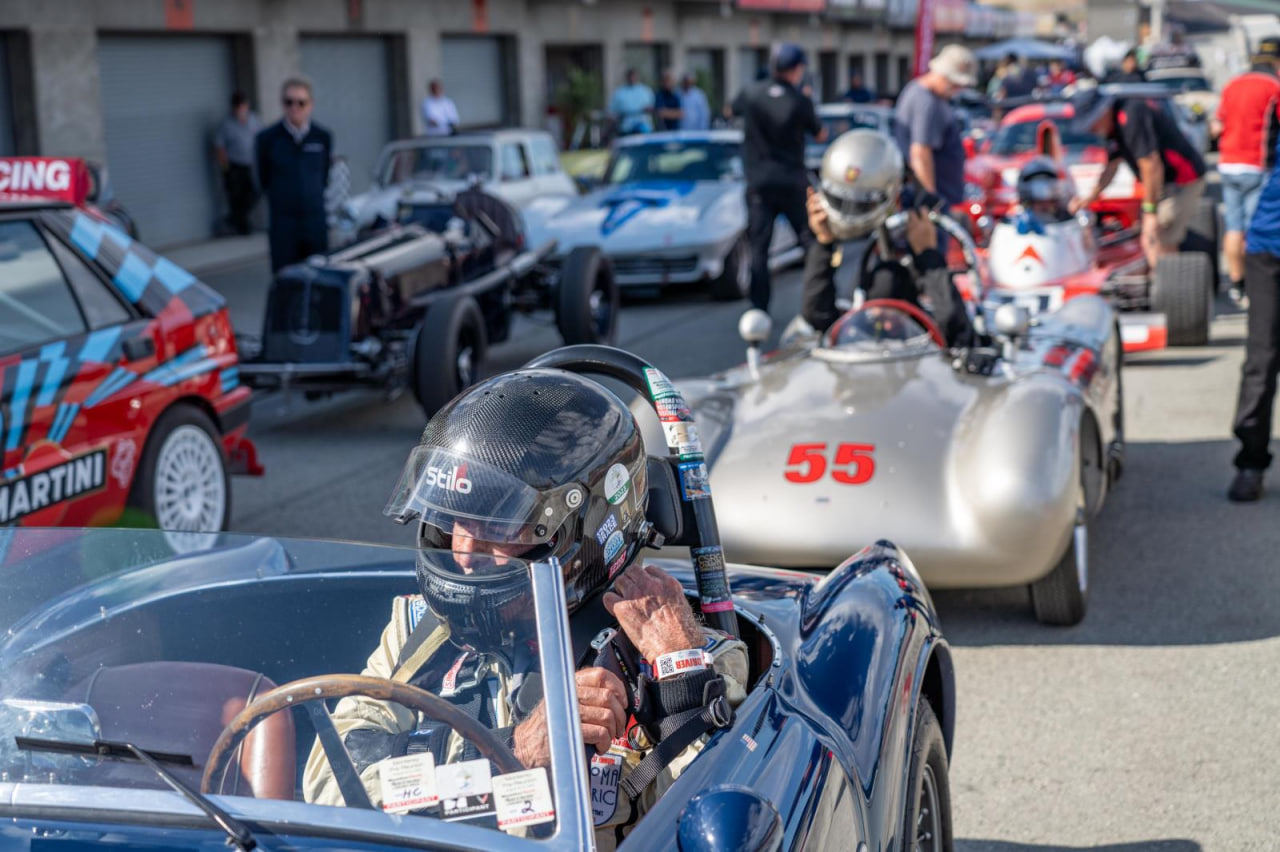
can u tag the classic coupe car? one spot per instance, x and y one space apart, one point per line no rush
120 393
840 118
987 464
139 704
671 210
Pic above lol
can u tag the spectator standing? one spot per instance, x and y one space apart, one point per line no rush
667 110
1256 402
631 104
233 148
858 93
695 112
1059 76
776 117
1128 72
439 112
1247 123
293 167
995 84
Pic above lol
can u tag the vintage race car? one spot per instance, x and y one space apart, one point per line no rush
162 664
840 118
671 210
988 476
119 377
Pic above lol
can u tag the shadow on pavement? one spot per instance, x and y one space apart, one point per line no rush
1169 363
1172 563
1141 846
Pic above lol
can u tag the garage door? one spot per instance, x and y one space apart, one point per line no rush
474 77
6 104
161 100
353 98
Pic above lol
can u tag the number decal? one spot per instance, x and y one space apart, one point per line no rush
853 464
809 455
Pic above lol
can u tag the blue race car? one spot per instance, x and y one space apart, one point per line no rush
139 706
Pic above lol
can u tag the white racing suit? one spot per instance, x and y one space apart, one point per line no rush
373 730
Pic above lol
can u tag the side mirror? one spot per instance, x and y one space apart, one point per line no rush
754 327
1012 321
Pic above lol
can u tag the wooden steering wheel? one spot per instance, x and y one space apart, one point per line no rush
914 311
311 693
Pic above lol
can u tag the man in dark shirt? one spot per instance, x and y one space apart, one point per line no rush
1144 135
666 104
1128 72
293 168
858 93
776 118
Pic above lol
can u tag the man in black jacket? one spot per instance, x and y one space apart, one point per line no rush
293 169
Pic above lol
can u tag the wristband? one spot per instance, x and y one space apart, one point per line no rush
1148 207
680 662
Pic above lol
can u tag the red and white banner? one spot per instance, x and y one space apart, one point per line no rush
924 37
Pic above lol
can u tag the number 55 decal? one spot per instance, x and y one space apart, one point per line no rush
851 464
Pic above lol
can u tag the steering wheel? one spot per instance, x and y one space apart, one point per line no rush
914 311
311 693
896 227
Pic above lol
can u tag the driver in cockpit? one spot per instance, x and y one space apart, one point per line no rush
527 466
1044 192
860 180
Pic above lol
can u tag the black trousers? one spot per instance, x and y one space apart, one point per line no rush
294 239
764 205
1261 361
241 196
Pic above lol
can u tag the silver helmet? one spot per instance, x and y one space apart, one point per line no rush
860 179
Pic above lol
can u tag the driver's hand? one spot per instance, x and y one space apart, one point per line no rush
602 701
1077 204
652 610
818 218
922 234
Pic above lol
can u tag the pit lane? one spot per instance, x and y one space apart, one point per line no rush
1149 727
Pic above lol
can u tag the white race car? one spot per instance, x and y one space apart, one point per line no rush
671 210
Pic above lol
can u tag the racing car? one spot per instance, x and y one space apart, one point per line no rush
417 304
120 395
141 708
671 210
987 465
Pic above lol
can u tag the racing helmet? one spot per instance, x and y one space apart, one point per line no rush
1041 182
524 466
859 182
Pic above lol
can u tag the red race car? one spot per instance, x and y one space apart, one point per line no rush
119 380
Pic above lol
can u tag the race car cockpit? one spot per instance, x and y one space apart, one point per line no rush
883 329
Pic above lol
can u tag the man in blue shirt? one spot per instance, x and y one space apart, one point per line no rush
666 104
695 112
631 104
293 167
1256 402
857 92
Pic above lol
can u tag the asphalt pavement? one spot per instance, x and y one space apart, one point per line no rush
1151 726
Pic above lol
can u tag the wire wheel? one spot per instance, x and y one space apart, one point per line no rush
190 483
929 822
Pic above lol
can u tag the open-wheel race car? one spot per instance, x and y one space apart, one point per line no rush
417 304
139 704
986 464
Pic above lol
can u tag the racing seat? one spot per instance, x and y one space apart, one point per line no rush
182 707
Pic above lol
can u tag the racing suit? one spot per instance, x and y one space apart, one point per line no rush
485 686
932 278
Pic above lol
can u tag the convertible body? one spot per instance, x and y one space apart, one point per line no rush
112 635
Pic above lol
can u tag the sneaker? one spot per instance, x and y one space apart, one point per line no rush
1238 297
1246 487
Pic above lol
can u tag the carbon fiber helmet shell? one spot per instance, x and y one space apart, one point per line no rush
546 461
859 181
1042 179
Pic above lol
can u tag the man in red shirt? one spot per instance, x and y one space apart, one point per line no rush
1247 123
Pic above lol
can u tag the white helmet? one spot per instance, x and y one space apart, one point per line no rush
859 180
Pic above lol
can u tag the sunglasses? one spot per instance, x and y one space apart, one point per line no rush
298 102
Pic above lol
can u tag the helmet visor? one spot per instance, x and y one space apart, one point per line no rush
448 489
1042 189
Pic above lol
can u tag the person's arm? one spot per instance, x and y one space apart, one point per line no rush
220 148
819 305
812 123
328 155
933 279
921 157
454 118
1152 176
264 159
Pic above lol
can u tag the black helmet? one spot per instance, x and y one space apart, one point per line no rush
1041 179
540 462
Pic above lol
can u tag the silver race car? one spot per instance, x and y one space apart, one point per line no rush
671 210
986 464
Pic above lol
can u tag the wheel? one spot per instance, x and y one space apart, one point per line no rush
1203 236
447 351
734 282
1183 292
1061 597
927 816
182 483
587 298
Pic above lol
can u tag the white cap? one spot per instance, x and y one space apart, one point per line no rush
957 63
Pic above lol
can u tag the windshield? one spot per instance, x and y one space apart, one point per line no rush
675 160
879 329
135 636
1021 137
838 124
1192 83
438 162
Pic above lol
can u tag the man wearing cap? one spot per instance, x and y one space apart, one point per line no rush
1142 134
927 130
1246 124
776 117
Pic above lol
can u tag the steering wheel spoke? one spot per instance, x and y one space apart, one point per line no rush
335 751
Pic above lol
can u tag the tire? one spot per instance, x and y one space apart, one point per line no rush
182 484
1061 597
1204 236
1183 291
928 807
587 298
734 282
447 351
